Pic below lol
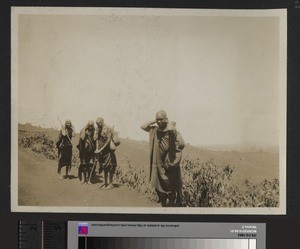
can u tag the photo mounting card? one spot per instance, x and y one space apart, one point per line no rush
214 80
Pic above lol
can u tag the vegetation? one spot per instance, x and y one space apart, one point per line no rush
42 144
205 184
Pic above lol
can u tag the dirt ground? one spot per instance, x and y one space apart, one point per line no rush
39 185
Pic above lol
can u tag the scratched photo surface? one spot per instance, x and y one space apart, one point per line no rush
219 77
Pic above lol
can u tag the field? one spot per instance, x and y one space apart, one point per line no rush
211 178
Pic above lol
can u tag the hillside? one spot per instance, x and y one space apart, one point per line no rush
254 166
209 178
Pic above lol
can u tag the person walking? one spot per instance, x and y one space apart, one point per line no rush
64 146
86 147
105 153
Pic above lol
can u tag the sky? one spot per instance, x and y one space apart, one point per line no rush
217 77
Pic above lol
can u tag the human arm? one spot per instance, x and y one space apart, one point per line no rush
109 137
147 126
106 144
96 134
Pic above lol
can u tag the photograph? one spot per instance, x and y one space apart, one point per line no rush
148 110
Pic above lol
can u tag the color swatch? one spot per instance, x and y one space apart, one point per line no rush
165 243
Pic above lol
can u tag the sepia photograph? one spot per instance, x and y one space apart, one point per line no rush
148 110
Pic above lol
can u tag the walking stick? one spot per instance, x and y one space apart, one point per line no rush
94 166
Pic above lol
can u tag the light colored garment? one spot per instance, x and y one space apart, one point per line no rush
165 158
103 135
107 157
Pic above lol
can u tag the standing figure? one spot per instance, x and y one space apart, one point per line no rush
86 147
166 145
104 152
64 146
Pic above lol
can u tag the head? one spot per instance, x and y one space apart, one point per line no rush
68 123
90 124
99 122
161 119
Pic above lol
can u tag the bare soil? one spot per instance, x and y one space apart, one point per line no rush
39 185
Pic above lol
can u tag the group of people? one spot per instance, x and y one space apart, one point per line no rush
166 146
95 152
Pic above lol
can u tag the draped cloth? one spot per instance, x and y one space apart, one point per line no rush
86 145
165 158
107 157
64 147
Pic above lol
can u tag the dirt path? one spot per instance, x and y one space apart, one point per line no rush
39 186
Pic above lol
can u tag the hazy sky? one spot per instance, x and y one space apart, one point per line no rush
217 77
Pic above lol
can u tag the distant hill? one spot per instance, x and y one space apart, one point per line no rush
245 147
252 165
53 133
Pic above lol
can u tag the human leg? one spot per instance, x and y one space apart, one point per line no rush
81 173
171 199
178 202
90 172
112 168
67 171
106 177
105 161
110 181
163 199
104 186
59 166
59 171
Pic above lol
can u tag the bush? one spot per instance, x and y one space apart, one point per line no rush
40 143
204 184
209 185
134 177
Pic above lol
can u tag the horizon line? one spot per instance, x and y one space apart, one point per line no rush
202 146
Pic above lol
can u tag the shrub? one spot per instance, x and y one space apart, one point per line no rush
40 143
205 184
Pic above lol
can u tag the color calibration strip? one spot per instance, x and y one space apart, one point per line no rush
165 235
165 243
